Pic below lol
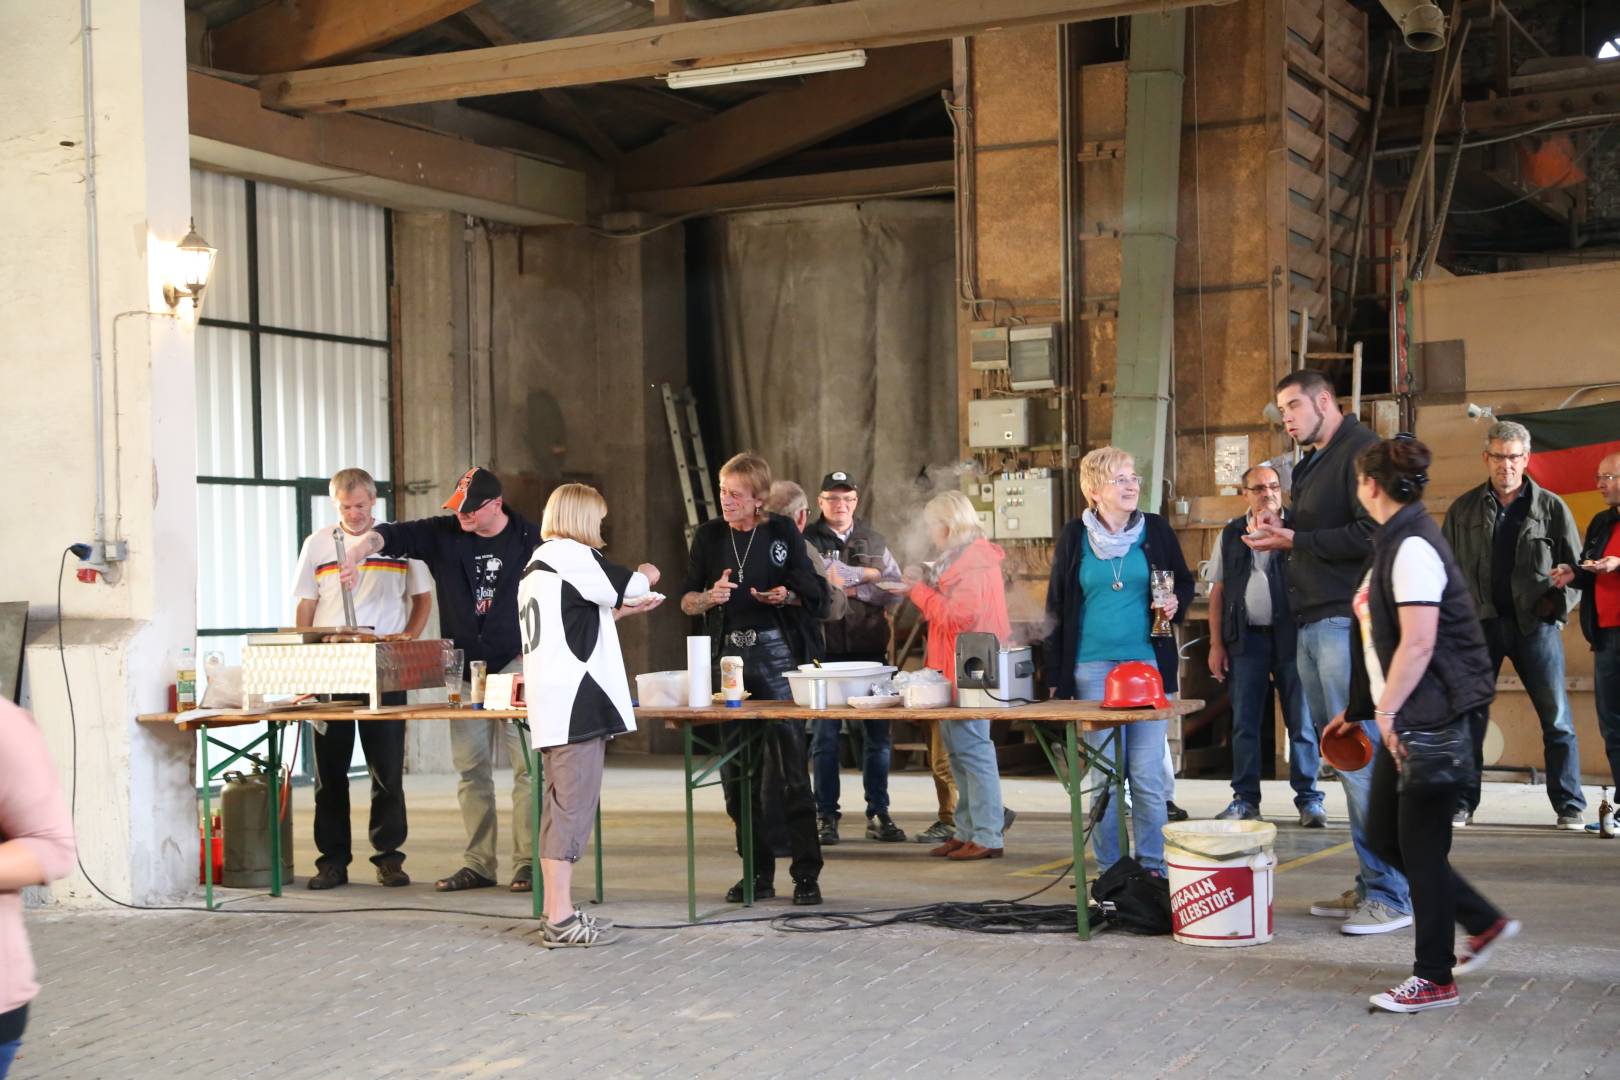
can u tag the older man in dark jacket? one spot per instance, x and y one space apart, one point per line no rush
1508 535
1253 638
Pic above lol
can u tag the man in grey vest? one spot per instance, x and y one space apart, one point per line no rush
1252 638
1509 535
857 559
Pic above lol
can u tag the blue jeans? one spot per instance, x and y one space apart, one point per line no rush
1538 657
874 765
1255 667
1324 673
978 780
1143 751
8 1051
1606 686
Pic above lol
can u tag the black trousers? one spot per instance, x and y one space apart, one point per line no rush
781 786
1412 832
384 744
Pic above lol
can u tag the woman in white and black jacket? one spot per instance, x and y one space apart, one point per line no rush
1419 664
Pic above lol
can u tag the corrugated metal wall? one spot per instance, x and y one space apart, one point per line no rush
316 338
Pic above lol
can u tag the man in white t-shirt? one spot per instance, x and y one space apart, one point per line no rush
392 596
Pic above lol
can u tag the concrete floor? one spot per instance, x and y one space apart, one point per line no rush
394 991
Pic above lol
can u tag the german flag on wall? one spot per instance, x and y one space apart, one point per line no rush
1566 446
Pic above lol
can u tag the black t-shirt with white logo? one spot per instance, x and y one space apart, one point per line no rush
758 559
484 562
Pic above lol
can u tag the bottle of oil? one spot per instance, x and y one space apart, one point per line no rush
1606 824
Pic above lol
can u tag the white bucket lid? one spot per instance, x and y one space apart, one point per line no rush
1221 839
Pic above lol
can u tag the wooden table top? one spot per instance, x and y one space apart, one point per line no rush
1089 714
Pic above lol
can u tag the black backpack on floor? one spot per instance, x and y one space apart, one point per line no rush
1133 899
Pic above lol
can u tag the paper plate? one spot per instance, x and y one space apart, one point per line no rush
875 701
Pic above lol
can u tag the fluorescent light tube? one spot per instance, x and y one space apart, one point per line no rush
767 69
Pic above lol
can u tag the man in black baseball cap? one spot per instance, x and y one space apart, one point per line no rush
857 559
476 489
476 558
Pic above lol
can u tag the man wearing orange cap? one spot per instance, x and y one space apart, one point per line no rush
476 555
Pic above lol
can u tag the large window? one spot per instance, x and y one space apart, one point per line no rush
293 369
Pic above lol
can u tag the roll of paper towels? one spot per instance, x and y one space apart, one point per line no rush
698 692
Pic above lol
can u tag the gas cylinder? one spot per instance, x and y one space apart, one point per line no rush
244 807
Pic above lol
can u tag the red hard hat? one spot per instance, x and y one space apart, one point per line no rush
1135 684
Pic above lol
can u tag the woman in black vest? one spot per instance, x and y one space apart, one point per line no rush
1421 671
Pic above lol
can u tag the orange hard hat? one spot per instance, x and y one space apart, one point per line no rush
1135 684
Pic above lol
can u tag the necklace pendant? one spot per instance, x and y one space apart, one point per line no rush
1119 586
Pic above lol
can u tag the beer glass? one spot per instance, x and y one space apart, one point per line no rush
454 659
1163 584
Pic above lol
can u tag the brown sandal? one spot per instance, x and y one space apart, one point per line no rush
465 878
522 879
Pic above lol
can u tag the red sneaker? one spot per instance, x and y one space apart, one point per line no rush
1478 948
1415 995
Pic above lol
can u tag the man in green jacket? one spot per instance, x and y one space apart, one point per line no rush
1508 535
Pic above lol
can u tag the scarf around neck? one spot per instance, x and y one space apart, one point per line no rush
1112 545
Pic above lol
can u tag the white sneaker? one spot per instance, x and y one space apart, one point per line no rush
1461 819
1373 917
1340 907
1573 822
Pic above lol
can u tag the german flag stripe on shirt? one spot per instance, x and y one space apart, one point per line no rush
387 566
1566 446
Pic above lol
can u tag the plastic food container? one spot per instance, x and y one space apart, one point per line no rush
929 695
844 679
661 690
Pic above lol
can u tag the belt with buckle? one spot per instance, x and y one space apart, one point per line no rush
743 639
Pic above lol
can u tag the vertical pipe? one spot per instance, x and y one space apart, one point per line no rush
1355 381
93 245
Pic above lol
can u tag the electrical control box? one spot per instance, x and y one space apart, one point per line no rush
987 348
1033 356
1000 421
1026 506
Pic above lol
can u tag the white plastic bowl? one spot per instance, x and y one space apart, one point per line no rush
845 679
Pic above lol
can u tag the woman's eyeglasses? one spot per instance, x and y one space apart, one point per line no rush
1126 481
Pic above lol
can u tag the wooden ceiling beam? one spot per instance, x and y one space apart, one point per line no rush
897 180
658 104
778 124
285 37
656 50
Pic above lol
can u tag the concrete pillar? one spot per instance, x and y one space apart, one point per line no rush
135 812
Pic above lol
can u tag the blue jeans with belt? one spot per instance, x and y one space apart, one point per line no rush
1324 671
1256 667
1144 755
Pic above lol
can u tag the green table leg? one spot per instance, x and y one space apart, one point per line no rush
691 853
208 821
598 849
1118 738
747 782
537 794
273 754
1077 831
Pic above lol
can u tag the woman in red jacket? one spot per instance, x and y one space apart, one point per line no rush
962 592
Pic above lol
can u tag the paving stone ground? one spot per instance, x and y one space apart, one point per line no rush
309 991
